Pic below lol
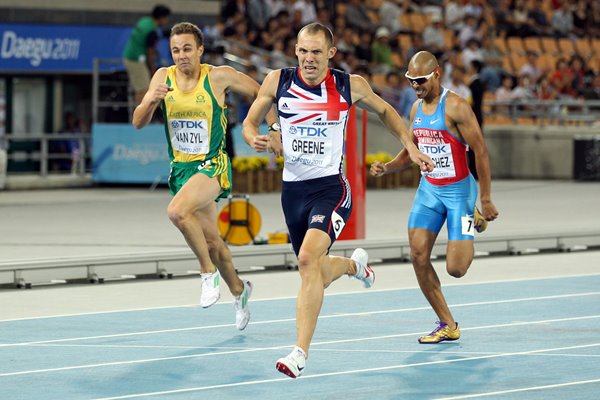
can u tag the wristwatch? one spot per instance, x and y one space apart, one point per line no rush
274 127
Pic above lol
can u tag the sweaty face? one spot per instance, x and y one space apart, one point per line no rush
185 52
313 54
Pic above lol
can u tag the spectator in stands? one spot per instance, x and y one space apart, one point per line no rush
477 88
324 17
503 18
521 24
233 8
492 71
537 18
455 14
594 24
582 18
524 89
347 41
581 77
504 95
258 14
140 54
562 79
357 16
472 52
390 12
451 62
530 68
363 47
544 90
458 86
390 92
474 8
3 158
562 20
276 6
277 55
407 99
433 36
382 51
307 9
416 46
470 30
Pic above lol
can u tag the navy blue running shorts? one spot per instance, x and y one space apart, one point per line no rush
320 203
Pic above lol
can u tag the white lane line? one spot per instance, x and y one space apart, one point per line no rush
133 346
157 359
294 297
460 353
275 321
384 351
356 371
557 385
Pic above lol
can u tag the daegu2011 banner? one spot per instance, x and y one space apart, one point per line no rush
123 154
58 48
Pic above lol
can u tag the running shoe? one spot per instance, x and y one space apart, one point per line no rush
364 272
242 311
441 333
210 289
293 364
480 222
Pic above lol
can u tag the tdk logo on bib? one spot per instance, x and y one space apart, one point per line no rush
308 131
187 124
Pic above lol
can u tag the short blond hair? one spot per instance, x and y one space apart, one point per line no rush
183 28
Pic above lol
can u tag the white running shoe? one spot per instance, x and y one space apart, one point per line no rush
242 311
364 273
293 364
210 289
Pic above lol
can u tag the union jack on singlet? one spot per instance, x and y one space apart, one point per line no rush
313 123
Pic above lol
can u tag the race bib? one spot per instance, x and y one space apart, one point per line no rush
468 225
189 136
309 145
441 155
338 223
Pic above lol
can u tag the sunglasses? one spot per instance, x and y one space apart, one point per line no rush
419 80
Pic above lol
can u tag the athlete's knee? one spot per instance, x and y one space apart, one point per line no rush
419 256
457 270
177 215
308 265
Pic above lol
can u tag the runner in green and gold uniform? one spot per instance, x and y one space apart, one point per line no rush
192 98
195 124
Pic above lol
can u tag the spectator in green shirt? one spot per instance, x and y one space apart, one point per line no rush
139 56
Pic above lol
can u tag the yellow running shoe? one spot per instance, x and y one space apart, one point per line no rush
480 222
441 333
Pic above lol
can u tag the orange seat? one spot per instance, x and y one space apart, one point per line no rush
405 22
405 42
515 45
566 47
517 60
533 43
417 22
501 44
549 45
449 39
596 47
583 47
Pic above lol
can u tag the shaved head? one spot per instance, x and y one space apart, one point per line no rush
422 63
